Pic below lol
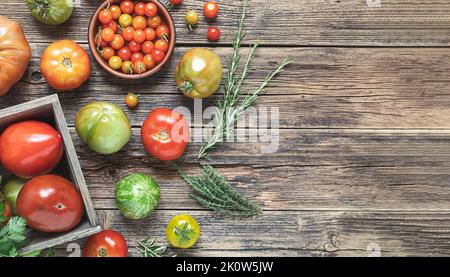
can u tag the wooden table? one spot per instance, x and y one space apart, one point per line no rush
363 165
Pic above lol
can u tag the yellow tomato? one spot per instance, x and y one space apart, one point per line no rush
183 231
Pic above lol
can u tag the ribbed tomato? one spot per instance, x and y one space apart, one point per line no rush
107 243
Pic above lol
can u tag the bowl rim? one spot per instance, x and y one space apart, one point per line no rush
91 41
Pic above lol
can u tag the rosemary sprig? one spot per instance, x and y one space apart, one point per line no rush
147 248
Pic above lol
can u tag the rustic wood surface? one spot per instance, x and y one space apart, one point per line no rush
363 164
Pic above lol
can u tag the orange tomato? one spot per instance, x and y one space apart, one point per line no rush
65 65
154 22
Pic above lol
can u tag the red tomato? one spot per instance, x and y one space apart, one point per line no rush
158 55
213 34
165 134
134 46
113 25
151 9
117 42
154 22
128 33
139 36
163 32
150 34
107 34
105 16
148 62
211 10
124 53
107 243
107 53
139 67
136 57
127 7
116 12
139 8
100 42
50 203
139 23
147 47
30 148
162 45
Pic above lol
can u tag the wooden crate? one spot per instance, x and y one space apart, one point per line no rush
48 109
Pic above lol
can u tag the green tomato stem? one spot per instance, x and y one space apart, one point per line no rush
186 86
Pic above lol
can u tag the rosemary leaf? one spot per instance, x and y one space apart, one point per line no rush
147 248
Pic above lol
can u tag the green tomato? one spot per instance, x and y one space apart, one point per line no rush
103 127
199 73
51 12
12 189
137 195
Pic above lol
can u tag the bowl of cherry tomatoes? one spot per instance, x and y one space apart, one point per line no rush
132 40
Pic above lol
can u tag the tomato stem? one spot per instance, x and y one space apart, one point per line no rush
67 62
186 86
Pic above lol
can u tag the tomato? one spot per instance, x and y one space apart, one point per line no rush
151 9
127 67
163 32
125 20
107 243
158 55
113 25
117 42
50 203
172 3
154 22
191 19
103 127
115 11
7 211
162 45
139 36
139 23
134 46
147 47
52 12
30 148
150 34
99 42
107 53
11 190
127 7
124 53
139 8
182 231
105 16
148 62
213 34
199 73
128 33
15 54
65 65
211 10
107 34
137 57
132 100
115 62
165 134
139 66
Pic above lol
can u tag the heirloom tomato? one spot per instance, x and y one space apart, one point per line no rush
182 231
11 190
52 12
107 243
199 73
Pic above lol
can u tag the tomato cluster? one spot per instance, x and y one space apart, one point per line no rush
132 37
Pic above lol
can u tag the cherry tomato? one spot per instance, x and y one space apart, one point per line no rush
165 134
127 67
139 23
163 32
132 100
107 34
107 243
50 203
150 34
107 53
139 67
115 11
211 9
183 231
136 57
147 47
139 36
30 148
125 20
149 62
127 7
99 42
139 8
134 46
162 45
174 3
213 34
151 9
158 55
115 62
128 33
191 19
154 22
124 53
105 16
117 42
113 25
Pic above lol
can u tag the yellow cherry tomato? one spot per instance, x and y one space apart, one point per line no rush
125 20
191 19
183 231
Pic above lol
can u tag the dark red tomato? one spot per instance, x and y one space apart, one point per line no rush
134 46
30 148
107 243
50 203
124 53
158 55
165 134
213 34
127 7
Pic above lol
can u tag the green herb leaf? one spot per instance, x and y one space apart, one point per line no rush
147 248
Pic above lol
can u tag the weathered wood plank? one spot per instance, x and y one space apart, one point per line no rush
312 170
297 22
323 88
302 233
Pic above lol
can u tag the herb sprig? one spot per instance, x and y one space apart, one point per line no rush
147 248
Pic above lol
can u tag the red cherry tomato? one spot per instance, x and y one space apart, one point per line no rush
163 32
139 8
107 243
139 36
107 34
128 33
50 203
148 62
175 2
211 9
30 148
150 34
107 53
136 57
139 67
147 47
165 134
127 7
134 46
113 25
151 9
139 23
105 16
162 45
124 53
158 55
117 42
213 34
115 11
99 42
